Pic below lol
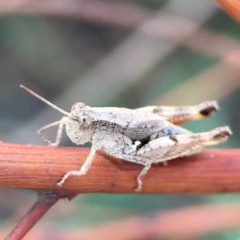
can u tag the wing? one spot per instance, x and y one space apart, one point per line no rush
134 124
144 125
180 114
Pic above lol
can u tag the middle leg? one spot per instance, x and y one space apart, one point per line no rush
140 160
83 169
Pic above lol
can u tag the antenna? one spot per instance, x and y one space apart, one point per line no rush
44 100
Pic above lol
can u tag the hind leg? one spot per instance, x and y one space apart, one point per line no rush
171 147
178 115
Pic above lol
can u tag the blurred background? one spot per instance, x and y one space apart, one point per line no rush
115 53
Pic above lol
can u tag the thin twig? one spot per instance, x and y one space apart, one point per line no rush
40 168
43 203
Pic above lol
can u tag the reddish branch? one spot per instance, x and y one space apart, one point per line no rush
40 168
231 7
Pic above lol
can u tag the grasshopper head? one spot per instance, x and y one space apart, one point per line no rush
79 127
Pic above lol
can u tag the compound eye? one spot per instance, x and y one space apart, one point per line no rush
78 105
84 121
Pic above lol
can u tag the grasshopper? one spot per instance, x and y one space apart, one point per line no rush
145 135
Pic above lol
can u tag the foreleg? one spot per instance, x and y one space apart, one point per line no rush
60 124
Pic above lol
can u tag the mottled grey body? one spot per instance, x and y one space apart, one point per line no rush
115 135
